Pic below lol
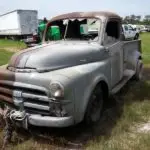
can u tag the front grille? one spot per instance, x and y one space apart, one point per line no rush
6 93
34 98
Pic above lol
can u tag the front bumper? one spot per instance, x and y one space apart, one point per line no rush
23 119
47 121
37 108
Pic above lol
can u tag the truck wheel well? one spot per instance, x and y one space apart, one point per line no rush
105 90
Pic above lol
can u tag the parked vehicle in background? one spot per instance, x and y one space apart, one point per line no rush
32 40
130 32
143 28
37 36
67 79
138 28
18 24
148 28
135 27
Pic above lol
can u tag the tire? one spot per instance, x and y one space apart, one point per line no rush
136 37
94 108
139 71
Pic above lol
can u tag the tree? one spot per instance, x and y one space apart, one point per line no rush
132 19
146 20
147 17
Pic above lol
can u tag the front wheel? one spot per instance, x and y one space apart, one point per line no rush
94 108
136 37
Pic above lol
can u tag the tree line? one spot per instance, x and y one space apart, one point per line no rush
133 19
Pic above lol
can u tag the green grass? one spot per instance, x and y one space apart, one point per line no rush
146 47
7 49
4 56
118 128
133 112
145 42
9 44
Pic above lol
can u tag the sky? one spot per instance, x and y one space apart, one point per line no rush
50 8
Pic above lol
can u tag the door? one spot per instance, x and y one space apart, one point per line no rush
116 54
131 32
114 46
126 32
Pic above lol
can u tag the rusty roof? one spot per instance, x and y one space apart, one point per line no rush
85 15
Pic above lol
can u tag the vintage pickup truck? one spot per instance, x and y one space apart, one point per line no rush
67 79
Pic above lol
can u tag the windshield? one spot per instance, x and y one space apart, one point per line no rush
74 29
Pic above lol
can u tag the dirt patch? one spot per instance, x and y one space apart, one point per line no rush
144 128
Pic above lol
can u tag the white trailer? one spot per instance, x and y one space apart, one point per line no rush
18 23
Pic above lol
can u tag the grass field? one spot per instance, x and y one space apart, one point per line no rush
125 124
10 43
7 49
12 46
4 56
146 47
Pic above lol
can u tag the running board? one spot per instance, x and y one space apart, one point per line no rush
128 74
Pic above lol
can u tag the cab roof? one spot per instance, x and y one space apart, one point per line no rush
86 15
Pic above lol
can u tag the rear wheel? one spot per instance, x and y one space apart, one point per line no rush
139 71
94 108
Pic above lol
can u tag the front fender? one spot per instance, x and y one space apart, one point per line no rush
82 80
82 95
91 88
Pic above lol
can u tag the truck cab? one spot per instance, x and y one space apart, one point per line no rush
67 79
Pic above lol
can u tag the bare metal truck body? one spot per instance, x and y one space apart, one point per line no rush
60 83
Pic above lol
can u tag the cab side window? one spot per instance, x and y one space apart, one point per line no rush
130 28
112 32
126 28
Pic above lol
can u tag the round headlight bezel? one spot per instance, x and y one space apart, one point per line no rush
56 90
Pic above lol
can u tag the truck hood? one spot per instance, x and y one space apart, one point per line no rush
55 55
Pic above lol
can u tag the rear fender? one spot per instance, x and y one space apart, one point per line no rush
137 56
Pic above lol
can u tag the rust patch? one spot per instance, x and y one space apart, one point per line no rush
5 98
6 75
6 94
16 58
6 91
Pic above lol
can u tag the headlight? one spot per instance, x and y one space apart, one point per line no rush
57 90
